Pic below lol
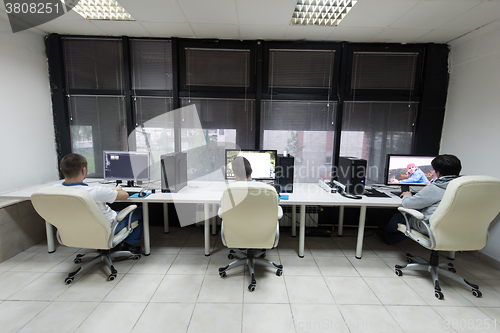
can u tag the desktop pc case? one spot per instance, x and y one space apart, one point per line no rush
173 172
284 173
352 174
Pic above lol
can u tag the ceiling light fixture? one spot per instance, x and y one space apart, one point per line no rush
99 10
321 12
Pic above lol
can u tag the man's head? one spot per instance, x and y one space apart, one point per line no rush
447 165
72 165
241 168
410 168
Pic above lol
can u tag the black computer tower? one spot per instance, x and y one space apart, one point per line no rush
173 172
352 174
284 173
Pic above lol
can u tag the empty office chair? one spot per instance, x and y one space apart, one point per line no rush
460 223
81 224
250 213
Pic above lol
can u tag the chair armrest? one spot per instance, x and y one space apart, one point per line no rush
431 243
125 212
415 213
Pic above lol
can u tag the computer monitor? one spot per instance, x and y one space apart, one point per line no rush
126 166
263 163
408 170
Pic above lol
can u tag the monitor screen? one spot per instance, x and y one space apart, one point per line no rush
126 165
263 163
408 170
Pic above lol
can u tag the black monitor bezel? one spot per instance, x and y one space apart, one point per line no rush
130 153
273 151
386 171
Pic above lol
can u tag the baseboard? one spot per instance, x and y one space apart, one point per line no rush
487 259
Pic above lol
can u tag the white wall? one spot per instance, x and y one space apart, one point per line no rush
27 153
472 121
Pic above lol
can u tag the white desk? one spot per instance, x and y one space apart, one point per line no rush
210 192
363 203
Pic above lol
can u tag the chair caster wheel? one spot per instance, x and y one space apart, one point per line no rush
453 270
77 260
251 287
111 277
230 256
68 280
137 257
398 272
279 272
439 295
222 274
477 293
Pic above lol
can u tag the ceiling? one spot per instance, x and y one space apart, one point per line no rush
385 21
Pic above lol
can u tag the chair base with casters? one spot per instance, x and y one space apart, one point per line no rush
435 268
103 255
250 258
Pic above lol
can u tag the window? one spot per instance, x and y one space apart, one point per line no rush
370 130
300 68
151 64
211 127
94 64
217 67
97 123
304 129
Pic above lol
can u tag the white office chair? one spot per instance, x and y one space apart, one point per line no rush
250 212
81 224
460 223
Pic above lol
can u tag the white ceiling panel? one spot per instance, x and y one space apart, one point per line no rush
263 32
122 28
398 21
390 35
167 30
155 10
433 14
376 13
217 31
266 12
355 35
213 11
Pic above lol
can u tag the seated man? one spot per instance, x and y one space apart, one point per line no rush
447 168
74 169
243 172
415 175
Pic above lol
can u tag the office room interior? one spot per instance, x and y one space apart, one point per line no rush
470 30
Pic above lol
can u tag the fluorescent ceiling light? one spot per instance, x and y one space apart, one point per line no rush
99 10
321 12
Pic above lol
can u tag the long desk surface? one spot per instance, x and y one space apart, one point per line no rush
210 192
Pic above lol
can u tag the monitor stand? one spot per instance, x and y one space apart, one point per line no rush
405 188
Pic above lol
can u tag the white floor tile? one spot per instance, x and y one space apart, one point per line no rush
394 291
308 290
112 317
216 318
134 288
417 319
351 290
318 318
14 315
267 318
161 317
178 288
369 318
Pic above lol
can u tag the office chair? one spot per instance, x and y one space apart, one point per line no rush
460 223
250 213
81 224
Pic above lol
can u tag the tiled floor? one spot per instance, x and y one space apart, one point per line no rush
178 289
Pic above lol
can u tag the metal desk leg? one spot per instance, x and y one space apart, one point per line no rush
214 219
302 230
165 218
51 246
451 255
145 221
341 221
206 207
294 221
361 232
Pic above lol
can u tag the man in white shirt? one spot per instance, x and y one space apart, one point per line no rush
74 169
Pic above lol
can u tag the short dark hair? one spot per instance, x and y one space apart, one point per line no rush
72 164
241 167
447 165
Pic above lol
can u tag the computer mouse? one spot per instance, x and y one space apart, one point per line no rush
142 194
